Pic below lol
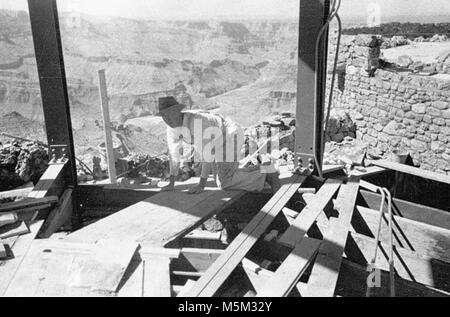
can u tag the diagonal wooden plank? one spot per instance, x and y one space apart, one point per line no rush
59 215
3 252
309 214
219 271
9 268
290 271
325 273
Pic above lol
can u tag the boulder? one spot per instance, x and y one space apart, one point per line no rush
405 61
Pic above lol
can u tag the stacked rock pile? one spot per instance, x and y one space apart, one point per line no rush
21 163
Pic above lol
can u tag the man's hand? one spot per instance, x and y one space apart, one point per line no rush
196 190
168 188
199 188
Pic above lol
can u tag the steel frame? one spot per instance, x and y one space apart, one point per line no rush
52 80
309 116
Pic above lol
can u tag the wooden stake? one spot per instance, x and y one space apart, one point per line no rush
107 126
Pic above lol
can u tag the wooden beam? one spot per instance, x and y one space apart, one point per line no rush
24 192
20 249
59 215
198 260
411 170
353 283
220 270
369 171
424 239
29 204
325 273
107 127
409 265
309 214
51 183
157 277
7 218
14 229
258 276
406 209
292 268
3 253
159 220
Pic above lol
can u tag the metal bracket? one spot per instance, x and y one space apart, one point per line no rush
59 154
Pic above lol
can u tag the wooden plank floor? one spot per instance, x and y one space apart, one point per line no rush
159 219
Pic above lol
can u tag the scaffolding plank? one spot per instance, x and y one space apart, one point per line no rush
325 273
411 170
290 271
309 214
221 269
20 249
424 214
409 265
59 215
102 271
51 182
157 277
159 219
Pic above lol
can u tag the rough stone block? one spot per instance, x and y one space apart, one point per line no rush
420 108
441 105
418 146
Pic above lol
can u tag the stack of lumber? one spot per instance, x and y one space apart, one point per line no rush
326 247
309 242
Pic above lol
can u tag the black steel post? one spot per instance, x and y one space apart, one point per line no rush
309 123
52 79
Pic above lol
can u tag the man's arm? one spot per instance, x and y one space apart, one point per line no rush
204 174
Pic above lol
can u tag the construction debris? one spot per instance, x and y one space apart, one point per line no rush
21 162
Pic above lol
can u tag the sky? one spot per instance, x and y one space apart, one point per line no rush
200 9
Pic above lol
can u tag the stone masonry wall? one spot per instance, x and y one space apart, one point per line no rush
394 111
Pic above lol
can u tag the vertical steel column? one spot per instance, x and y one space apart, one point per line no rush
52 79
309 123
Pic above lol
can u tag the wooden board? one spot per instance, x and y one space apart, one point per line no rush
7 218
309 214
133 280
16 193
325 273
59 215
408 265
290 271
156 277
14 229
159 219
83 270
3 253
411 170
258 276
220 270
51 183
353 282
406 209
29 204
8 268
422 238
